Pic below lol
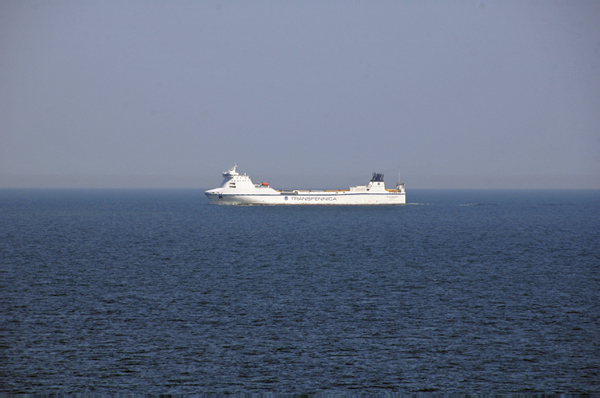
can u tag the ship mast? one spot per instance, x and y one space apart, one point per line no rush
399 185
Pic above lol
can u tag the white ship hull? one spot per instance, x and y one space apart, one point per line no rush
239 190
308 199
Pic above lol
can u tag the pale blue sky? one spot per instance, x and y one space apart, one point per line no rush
479 94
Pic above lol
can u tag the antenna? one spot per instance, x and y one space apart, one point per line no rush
399 185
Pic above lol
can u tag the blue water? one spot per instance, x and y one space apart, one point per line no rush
116 291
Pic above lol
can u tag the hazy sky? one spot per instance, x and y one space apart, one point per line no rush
300 93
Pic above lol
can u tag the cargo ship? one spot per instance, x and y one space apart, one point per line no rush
239 189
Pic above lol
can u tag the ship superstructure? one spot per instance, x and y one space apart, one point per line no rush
239 189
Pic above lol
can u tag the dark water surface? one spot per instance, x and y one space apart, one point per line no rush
157 291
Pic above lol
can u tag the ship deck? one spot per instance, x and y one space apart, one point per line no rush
324 191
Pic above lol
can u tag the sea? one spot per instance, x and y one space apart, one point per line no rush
157 291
